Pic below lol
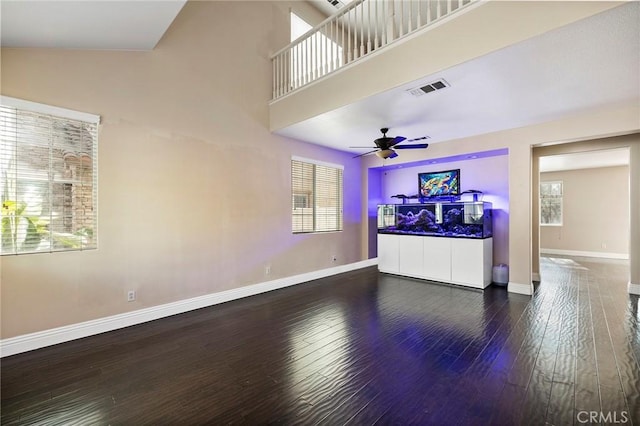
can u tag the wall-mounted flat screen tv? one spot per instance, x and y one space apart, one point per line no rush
438 184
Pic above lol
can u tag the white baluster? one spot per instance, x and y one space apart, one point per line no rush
294 67
375 23
319 53
368 25
303 73
315 69
334 46
349 33
280 77
391 21
276 71
274 61
400 31
287 72
361 29
326 51
285 67
342 44
309 63
329 47
356 38
299 64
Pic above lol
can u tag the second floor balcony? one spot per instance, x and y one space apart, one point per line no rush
354 32
372 47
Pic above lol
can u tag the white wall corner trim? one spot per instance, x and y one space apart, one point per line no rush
634 288
535 276
603 255
41 339
518 288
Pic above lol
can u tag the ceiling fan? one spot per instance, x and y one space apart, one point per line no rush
384 145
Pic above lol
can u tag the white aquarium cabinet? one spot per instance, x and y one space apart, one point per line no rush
449 242
462 261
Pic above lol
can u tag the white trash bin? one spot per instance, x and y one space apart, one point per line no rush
501 274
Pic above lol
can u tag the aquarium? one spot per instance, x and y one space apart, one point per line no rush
448 219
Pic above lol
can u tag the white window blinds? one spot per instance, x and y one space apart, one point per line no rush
316 196
48 178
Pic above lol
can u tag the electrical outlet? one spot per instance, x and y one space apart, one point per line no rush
604 245
267 270
131 295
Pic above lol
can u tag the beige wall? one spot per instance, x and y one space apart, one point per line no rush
194 191
595 211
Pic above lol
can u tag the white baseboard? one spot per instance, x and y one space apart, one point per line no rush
526 289
634 288
603 255
41 339
535 276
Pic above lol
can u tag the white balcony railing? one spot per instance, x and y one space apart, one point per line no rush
352 33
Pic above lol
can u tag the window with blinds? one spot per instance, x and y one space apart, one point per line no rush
316 196
48 178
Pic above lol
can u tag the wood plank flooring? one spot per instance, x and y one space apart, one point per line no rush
360 348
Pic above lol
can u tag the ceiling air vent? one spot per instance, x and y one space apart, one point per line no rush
431 87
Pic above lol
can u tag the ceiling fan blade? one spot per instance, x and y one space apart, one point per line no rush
414 146
397 140
394 155
370 152
421 138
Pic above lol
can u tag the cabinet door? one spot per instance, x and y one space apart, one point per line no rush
388 253
411 257
437 258
468 261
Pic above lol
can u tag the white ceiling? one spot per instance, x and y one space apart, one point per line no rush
585 160
589 64
86 24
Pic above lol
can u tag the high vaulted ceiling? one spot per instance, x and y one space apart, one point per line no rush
87 24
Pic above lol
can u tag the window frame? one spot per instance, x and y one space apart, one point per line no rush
58 210
312 198
560 198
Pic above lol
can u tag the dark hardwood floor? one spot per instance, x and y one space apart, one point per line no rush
359 348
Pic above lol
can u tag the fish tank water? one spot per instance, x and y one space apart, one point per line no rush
443 219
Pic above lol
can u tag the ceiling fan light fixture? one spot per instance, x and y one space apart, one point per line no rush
385 153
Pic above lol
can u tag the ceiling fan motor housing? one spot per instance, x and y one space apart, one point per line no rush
385 143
